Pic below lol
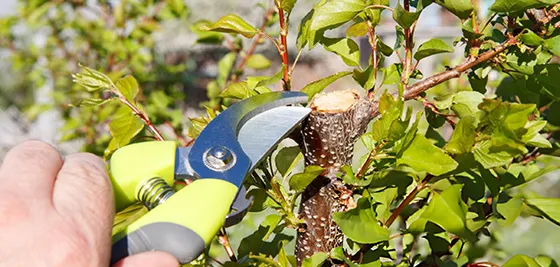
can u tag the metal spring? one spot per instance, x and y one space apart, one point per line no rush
154 192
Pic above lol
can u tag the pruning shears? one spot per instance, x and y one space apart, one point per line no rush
229 148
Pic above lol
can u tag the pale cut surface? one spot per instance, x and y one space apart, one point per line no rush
338 101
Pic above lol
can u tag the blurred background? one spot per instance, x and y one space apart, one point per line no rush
42 42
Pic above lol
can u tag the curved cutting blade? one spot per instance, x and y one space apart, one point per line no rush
224 130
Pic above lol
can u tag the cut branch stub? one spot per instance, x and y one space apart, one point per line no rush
336 122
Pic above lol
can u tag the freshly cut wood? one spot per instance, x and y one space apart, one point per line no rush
337 120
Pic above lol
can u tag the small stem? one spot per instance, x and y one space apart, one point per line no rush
374 60
434 109
408 36
284 46
407 200
256 41
274 42
223 239
141 115
295 61
369 159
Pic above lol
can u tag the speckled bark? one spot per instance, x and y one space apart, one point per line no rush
329 134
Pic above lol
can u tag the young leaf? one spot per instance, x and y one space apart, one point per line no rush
399 41
432 47
509 208
521 261
461 8
125 127
92 80
286 158
206 37
547 207
530 38
128 86
90 102
366 78
259 81
332 14
300 181
422 155
287 5
404 18
553 45
319 85
346 48
384 48
360 223
238 90
233 24
350 178
315 260
357 30
258 62
224 67
463 136
490 158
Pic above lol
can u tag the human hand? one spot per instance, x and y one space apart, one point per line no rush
59 213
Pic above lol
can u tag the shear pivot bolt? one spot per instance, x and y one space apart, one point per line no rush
219 158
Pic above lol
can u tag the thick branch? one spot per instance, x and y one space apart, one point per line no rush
423 85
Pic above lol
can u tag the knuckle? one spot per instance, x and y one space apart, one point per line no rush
89 167
35 150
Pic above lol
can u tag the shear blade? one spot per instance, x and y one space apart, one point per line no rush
257 138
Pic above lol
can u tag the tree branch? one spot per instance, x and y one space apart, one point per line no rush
284 46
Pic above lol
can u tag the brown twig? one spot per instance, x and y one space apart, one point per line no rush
284 46
374 60
223 239
256 41
369 159
435 110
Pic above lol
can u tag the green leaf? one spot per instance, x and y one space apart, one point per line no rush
491 158
346 48
224 68
514 6
553 45
206 37
300 181
304 33
468 30
350 178
521 261
286 158
270 223
259 81
545 261
432 47
319 85
531 39
463 136
532 136
384 48
357 30
258 62
365 78
404 18
316 260
422 155
332 14
90 102
509 208
399 41
238 90
448 210
461 8
125 127
390 110
547 207
287 5
128 86
392 74
232 23
92 80
360 224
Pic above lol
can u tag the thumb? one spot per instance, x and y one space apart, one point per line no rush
148 259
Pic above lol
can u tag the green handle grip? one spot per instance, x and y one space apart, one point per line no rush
183 225
132 165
